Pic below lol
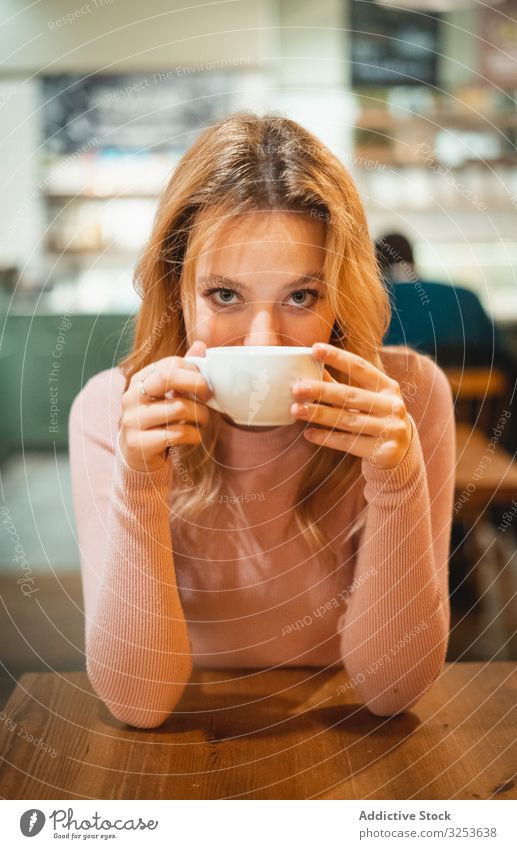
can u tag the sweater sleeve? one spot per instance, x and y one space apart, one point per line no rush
394 631
138 655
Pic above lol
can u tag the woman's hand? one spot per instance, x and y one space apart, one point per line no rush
151 422
369 420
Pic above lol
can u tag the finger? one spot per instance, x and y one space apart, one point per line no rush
166 412
198 349
175 375
349 397
359 446
327 377
364 373
179 434
148 440
334 417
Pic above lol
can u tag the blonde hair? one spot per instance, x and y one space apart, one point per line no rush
244 163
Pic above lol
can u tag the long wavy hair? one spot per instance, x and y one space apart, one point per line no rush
243 163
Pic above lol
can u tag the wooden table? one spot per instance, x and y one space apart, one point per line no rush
282 734
495 469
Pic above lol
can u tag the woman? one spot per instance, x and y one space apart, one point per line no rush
204 543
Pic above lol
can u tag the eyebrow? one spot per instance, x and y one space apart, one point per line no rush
314 277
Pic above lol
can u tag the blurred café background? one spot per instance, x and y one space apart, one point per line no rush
98 100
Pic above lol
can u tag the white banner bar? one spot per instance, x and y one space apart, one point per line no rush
251 825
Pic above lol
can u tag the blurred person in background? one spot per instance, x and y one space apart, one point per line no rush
449 323
446 321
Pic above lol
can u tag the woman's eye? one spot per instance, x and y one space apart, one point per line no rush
224 297
301 299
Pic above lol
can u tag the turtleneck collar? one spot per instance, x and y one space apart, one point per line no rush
242 447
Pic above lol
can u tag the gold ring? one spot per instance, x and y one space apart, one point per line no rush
143 392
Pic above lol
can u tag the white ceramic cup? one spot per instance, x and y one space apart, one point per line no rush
252 383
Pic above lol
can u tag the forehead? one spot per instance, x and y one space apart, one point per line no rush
261 242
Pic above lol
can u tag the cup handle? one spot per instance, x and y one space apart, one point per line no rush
201 363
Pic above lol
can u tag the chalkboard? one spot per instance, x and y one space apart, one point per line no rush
155 110
392 47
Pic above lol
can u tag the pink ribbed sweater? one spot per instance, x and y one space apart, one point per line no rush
244 589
